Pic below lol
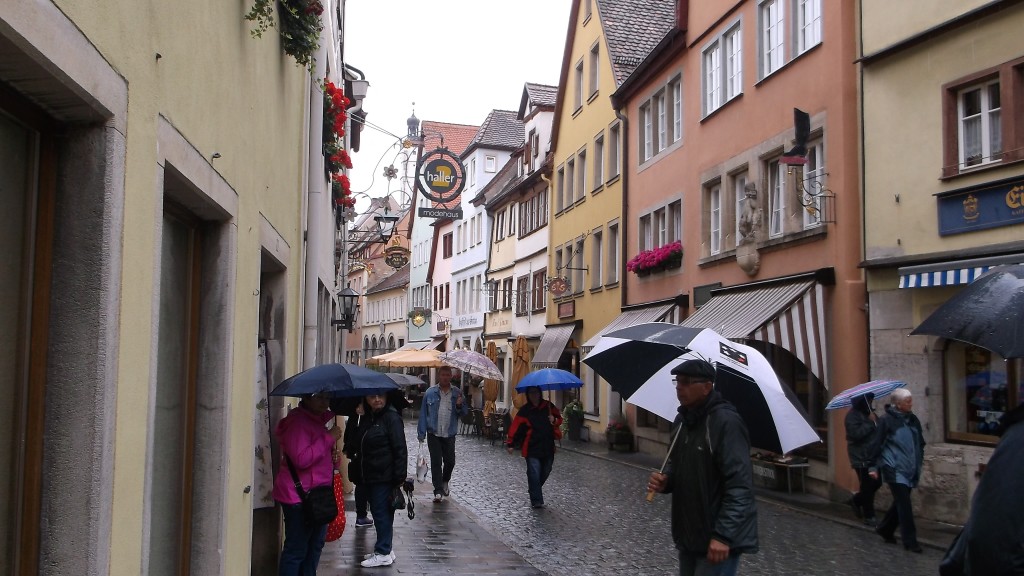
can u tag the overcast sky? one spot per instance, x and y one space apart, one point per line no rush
456 59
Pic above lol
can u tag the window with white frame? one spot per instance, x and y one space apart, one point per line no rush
512 209
733 47
661 109
560 189
772 21
646 138
540 280
612 271
595 65
712 77
715 218
645 237
739 189
479 228
980 130
578 94
614 150
570 182
472 172
581 173
599 160
660 224
675 221
814 183
499 225
675 90
490 164
808 25
578 264
723 69
776 197
596 258
506 293
492 294
522 295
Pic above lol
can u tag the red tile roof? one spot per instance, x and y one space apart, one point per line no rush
456 136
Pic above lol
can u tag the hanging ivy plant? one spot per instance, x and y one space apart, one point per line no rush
300 26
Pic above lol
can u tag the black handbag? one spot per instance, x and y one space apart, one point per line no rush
397 498
319 506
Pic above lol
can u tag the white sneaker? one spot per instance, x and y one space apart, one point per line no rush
378 560
438 497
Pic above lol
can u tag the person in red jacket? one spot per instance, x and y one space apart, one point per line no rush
535 430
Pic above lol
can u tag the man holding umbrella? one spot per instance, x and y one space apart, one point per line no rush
714 515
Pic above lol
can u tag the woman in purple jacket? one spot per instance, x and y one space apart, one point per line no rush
309 445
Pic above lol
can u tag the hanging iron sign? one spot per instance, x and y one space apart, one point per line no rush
440 177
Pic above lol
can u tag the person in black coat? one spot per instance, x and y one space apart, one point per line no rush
383 455
860 433
714 514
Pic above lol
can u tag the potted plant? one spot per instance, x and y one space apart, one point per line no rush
618 435
662 258
572 416
299 24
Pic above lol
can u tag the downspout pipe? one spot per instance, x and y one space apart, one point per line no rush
624 221
316 203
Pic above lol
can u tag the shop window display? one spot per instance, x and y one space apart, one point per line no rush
981 386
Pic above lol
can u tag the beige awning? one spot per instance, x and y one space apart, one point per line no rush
790 315
435 343
552 344
629 318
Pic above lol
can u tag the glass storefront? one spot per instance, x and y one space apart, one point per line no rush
980 387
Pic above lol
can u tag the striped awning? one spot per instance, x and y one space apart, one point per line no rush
552 344
952 273
790 315
629 318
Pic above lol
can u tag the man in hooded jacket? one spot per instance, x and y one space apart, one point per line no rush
861 425
714 514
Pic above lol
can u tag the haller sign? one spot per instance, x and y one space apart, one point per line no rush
440 177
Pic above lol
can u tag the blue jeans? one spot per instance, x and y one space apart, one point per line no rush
537 472
302 544
379 496
698 565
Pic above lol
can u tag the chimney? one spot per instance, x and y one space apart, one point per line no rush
682 14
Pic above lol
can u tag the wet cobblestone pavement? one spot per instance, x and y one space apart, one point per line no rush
596 521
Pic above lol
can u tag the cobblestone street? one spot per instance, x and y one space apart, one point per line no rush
596 521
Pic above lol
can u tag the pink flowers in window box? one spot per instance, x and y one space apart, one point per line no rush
662 258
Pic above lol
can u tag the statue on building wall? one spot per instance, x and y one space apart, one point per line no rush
747 255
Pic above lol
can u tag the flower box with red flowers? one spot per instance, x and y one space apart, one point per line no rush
655 260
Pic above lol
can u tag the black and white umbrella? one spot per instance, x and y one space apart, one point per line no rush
637 362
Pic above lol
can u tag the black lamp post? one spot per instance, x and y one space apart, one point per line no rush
349 299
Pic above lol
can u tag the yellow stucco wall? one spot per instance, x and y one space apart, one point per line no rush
227 93
903 135
886 23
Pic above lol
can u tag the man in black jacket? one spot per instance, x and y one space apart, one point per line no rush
714 515
860 425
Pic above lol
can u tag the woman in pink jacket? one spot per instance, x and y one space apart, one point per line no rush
307 443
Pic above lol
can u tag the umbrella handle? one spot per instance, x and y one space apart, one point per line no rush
650 493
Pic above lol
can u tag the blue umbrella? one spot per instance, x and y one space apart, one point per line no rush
877 387
336 380
549 379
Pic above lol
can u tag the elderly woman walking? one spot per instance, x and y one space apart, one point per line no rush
383 455
898 455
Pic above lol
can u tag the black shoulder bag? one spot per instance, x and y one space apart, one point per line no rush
318 505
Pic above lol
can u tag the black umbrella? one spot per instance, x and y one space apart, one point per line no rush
336 380
988 312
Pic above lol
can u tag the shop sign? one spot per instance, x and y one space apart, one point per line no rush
980 207
440 178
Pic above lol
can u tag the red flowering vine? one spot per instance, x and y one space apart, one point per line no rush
336 158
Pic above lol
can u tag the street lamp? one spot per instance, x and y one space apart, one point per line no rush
386 225
349 299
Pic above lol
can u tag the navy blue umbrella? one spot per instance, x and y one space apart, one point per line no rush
549 379
336 380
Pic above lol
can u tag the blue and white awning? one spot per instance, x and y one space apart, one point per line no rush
953 273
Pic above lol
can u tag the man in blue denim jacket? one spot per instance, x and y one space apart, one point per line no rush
439 423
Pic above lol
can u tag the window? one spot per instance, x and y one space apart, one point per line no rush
733 63
613 254
776 197
578 95
540 281
581 173
472 172
675 221
614 151
446 245
645 240
980 130
447 294
980 387
577 263
646 142
660 107
772 22
560 189
599 160
713 77
558 263
522 295
479 228
715 218
499 225
675 88
512 219
596 259
739 189
587 10
506 293
490 164
808 25
532 150
660 231
595 64
814 182
570 180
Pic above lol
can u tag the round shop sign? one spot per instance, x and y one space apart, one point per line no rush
440 176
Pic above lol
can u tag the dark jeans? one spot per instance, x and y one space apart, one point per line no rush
442 460
537 472
865 497
901 514
697 565
302 544
361 501
379 495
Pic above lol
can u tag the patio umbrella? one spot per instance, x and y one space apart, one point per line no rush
549 379
337 380
878 388
637 362
520 368
408 359
404 379
491 384
473 362
988 312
